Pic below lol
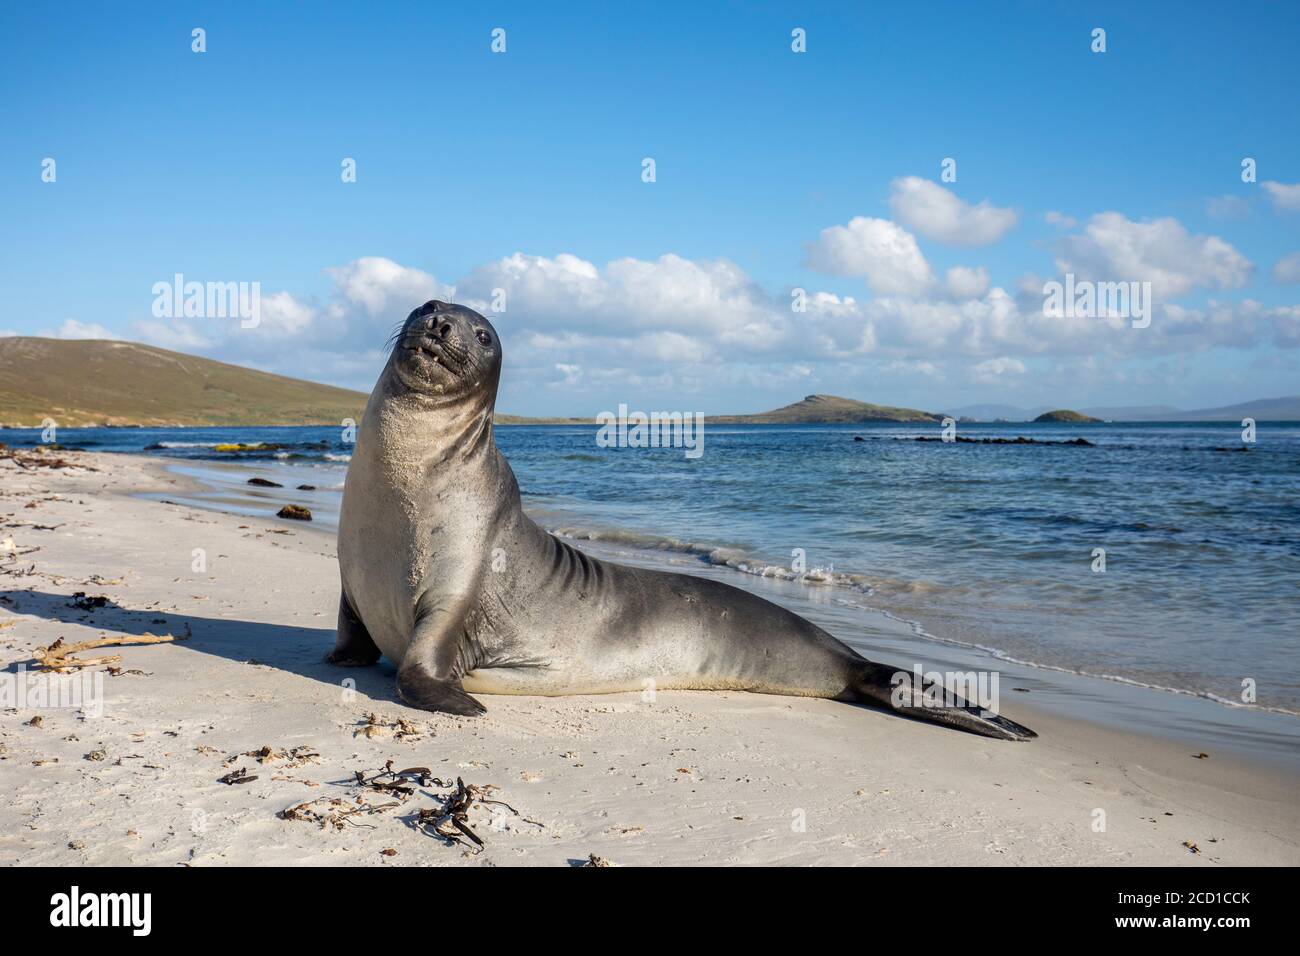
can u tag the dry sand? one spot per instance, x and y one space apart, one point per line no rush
688 778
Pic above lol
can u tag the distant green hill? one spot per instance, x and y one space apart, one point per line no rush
827 410
92 382
88 382
1064 415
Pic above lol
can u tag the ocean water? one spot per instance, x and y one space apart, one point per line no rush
987 548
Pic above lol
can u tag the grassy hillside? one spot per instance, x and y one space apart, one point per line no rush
92 382
87 382
828 409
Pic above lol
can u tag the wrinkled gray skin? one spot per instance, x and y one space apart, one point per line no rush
445 575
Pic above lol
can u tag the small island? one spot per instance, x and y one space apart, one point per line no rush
829 410
1062 415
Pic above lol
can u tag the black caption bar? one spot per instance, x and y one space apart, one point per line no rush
137 906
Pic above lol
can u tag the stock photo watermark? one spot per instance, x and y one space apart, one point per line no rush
626 429
946 690
180 299
75 909
1084 299
25 691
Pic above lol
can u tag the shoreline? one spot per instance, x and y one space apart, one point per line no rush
1266 734
691 778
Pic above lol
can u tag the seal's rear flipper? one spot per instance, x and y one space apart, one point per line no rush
417 688
354 646
888 687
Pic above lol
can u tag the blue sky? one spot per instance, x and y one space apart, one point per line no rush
522 170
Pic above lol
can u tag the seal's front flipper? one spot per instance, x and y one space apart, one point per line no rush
892 689
354 647
420 689
430 674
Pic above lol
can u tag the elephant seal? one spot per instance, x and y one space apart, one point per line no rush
445 575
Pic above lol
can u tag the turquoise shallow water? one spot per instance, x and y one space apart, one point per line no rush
989 548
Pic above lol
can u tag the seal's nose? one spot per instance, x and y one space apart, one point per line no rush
429 324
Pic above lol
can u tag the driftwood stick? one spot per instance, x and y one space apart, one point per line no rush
58 656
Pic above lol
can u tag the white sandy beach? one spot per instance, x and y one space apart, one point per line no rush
688 778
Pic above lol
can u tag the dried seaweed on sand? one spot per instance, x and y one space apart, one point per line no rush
38 458
448 821
451 821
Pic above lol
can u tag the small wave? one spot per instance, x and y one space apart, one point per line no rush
720 556
737 559
330 456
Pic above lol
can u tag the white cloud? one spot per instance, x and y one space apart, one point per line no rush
1286 325
906 367
962 282
376 283
540 280
669 294
998 325
282 314
679 326
938 214
1287 269
73 329
877 249
1162 252
1054 218
340 340
572 373
1284 196
1242 324
996 371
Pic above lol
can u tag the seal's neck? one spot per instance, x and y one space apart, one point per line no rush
422 431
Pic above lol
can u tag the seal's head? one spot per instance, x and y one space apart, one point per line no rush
447 353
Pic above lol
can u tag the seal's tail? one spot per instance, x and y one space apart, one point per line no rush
893 689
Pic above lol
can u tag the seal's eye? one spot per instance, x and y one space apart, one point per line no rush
483 338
